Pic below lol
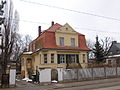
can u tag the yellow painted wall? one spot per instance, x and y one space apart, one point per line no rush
36 61
83 64
67 34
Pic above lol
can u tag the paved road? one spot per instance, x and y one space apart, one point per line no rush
22 85
104 86
111 84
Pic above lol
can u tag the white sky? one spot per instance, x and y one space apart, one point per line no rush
85 24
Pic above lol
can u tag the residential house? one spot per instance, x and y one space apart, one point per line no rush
60 46
114 53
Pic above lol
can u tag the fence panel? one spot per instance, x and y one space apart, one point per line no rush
110 71
70 74
118 71
90 73
98 72
84 73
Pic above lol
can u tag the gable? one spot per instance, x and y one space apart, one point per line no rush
66 29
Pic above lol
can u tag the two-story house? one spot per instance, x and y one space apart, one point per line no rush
60 46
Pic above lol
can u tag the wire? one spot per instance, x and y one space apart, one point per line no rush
96 30
32 22
86 13
88 29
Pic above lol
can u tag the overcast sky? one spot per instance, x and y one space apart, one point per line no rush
34 13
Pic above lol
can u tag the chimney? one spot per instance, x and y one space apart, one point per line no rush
39 30
52 23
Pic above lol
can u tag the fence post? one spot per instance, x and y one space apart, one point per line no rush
105 71
116 71
92 72
63 74
77 74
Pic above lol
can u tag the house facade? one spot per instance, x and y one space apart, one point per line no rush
114 53
60 46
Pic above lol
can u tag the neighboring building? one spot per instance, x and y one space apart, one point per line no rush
114 53
57 47
115 48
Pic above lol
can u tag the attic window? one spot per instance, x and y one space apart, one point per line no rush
66 28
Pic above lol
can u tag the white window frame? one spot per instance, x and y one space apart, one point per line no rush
62 58
45 58
61 39
52 58
72 42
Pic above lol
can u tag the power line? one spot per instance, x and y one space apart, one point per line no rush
96 30
88 29
86 13
81 28
32 22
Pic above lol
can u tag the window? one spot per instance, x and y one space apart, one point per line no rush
61 41
40 58
117 51
29 60
72 58
62 58
83 58
52 58
45 58
73 42
77 58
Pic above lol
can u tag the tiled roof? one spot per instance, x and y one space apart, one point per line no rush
54 27
49 40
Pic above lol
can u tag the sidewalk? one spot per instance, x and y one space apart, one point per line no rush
83 83
22 85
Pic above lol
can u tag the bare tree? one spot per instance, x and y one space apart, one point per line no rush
106 43
9 32
27 39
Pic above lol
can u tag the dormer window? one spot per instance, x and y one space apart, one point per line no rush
61 41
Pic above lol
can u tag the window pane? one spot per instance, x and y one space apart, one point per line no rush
45 58
72 58
83 58
52 58
61 41
73 42
62 58
77 58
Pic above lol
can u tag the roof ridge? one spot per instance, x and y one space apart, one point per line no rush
54 27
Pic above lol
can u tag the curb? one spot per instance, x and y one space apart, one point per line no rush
84 83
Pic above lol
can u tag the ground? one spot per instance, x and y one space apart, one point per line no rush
104 84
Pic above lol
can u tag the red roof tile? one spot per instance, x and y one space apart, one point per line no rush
49 40
54 27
